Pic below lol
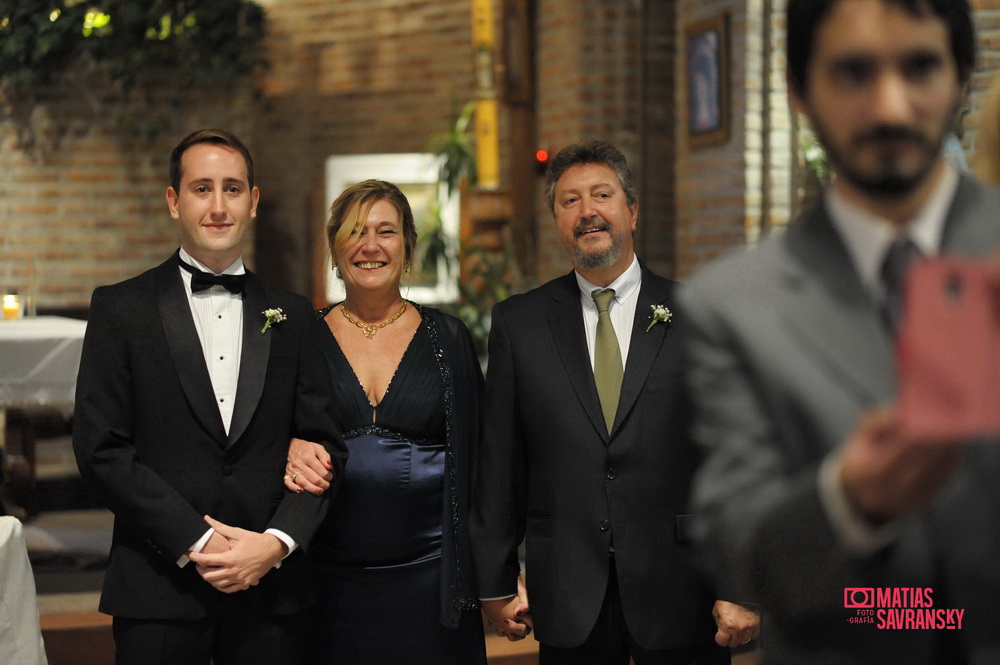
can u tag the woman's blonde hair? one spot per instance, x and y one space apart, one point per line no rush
349 212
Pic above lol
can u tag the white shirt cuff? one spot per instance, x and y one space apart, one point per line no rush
859 536
286 539
197 547
200 544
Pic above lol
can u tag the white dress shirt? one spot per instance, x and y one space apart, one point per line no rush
867 239
218 318
621 310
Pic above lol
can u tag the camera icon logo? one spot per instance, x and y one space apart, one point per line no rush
859 597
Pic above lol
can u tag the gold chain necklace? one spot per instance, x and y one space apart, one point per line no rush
369 329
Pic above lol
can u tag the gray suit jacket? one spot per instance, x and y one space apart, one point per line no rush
787 351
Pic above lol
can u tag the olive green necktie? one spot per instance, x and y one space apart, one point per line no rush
607 358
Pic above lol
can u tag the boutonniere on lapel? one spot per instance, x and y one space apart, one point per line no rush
274 316
660 315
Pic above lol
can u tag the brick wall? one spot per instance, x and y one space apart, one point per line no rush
988 27
84 195
349 77
587 59
656 175
83 192
711 181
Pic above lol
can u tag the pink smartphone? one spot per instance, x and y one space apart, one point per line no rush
948 352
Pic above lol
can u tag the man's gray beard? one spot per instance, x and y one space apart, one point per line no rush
605 259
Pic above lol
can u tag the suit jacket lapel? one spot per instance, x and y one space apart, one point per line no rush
643 346
253 360
827 310
185 348
971 227
566 321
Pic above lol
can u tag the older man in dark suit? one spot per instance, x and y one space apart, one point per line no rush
194 377
585 451
834 519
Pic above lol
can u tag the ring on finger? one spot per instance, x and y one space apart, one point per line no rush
294 476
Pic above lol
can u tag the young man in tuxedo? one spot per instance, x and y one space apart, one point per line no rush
187 397
811 495
585 453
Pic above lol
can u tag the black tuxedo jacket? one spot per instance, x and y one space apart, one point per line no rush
148 436
550 473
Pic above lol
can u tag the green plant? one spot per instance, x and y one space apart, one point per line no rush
434 244
816 159
490 277
175 44
198 40
487 276
32 46
457 149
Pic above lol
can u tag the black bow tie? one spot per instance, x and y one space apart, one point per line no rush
201 280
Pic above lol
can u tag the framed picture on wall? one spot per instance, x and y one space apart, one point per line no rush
706 72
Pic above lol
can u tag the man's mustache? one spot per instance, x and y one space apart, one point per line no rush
890 133
590 225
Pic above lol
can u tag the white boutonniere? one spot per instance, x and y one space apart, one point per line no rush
660 315
272 316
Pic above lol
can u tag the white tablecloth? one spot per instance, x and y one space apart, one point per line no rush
39 360
20 635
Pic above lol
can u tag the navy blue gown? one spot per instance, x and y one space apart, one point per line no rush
378 553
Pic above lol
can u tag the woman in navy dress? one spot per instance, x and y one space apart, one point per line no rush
393 555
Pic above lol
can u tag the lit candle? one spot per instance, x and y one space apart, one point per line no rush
11 306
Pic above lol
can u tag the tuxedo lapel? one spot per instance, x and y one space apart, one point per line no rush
566 321
185 348
253 360
826 309
644 346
